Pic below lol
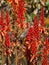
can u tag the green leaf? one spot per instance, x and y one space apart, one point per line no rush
47 3
25 61
13 27
32 16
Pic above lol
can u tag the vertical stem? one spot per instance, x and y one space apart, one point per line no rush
7 60
16 57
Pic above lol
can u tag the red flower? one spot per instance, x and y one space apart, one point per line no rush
7 40
31 40
7 17
47 43
33 46
45 61
30 34
36 28
45 58
1 19
20 12
42 17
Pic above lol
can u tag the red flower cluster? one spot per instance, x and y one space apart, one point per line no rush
47 43
7 40
7 17
31 42
36 28
4 23
42 17
33 38
45 57
1 18
19 9
20 12
5 27
30 35
34 46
